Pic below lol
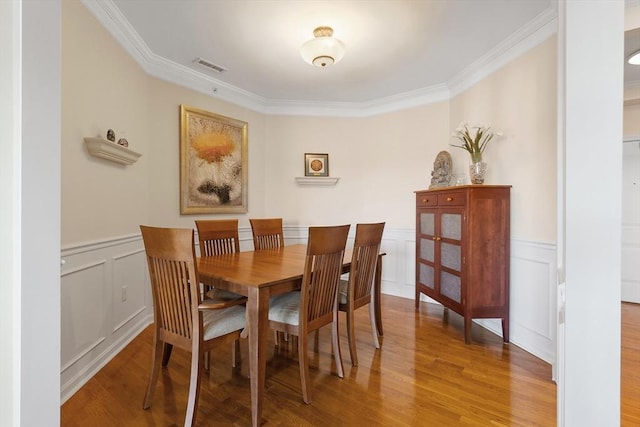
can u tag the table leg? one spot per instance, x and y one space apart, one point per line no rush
257 325
378 284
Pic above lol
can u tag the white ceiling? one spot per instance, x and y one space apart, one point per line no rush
394 48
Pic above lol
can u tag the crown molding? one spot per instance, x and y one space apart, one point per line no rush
416 98
108 14
527 37
535 32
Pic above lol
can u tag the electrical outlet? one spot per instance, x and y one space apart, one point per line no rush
124 293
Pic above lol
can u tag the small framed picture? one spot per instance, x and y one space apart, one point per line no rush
316 164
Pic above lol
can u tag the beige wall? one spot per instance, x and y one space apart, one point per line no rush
164 101
520 100
631 118
102 88
380 160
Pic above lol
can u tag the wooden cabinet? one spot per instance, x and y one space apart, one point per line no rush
462 251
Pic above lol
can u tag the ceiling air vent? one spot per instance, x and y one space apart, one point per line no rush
210 65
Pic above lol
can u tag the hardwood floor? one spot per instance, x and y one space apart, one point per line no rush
630 358
423 375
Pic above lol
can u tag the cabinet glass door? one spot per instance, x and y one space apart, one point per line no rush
427 248
451 255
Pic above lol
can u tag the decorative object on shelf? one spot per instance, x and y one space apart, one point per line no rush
475 145
316 164
213 163
458 179
102 148
442 168
123 141
477 172
111 135
323 49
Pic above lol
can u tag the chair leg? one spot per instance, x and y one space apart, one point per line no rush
194 387
351 335
235 354
155 370
335 336
166 355
303 360
374 325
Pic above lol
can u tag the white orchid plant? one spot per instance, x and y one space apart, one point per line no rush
474 139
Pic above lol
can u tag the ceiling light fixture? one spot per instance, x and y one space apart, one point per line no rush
322 50
634 59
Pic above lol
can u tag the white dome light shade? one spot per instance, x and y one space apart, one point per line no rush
634 59
323 50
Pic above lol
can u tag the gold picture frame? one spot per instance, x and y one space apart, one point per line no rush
213 163
316 164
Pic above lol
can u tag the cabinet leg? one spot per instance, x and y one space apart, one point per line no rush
505 329
467 330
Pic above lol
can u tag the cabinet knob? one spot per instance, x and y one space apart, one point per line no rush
425 200
449 199
436 238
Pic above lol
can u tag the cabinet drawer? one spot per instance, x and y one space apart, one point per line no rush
426 200
451 199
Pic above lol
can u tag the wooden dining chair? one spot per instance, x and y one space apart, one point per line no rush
267 233
357 291
219 237
316 304
181 318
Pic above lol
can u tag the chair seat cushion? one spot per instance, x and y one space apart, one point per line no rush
285 308
342 291
221 322
221 295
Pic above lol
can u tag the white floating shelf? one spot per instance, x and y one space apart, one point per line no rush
111 151
317 180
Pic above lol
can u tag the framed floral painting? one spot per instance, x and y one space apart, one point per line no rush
213 163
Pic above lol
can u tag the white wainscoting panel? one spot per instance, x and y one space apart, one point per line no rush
532 313
97 322
129 298
83 308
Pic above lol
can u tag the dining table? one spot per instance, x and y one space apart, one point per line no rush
258 275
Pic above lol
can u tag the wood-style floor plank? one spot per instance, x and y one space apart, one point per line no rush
630 366
423 375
